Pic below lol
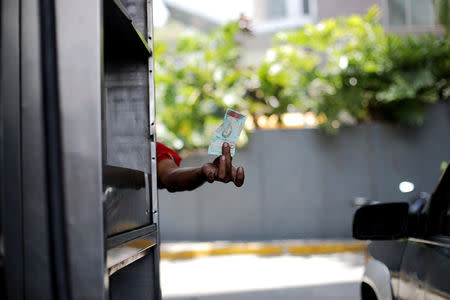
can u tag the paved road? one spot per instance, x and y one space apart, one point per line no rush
245 277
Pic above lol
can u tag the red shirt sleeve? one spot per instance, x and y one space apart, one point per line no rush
164 152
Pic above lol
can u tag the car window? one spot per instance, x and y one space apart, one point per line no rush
445 222
440 207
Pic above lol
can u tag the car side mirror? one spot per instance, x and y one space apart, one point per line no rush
384 221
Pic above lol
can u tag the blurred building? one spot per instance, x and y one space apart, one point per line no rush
265 17
274 15
400 16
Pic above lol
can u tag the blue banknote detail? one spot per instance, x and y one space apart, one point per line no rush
229 132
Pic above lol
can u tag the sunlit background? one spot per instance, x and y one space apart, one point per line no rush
293 64
343 98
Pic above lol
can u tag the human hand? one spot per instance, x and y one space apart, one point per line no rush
221 169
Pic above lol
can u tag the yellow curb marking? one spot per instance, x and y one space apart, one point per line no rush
266 250
326 248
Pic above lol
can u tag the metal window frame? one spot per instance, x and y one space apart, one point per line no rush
153 175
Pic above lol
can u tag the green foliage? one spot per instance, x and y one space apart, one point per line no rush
442 11
195 82
350 70
347 70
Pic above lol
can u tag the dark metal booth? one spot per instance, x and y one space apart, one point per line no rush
78 187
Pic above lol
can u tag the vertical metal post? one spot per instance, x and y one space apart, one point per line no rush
37 259
11 218
53 158
152 117
79 58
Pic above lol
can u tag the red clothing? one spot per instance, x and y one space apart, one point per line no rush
164 152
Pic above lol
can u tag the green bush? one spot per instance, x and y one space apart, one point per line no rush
347 70
350 70
195 82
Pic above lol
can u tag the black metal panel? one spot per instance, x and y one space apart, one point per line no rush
11 218
125 209
137 9
135 281
123 178
121 37
126 114
2 287
53 152
126 99
122 255
35 215
125 237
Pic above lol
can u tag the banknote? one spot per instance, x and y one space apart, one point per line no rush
229 132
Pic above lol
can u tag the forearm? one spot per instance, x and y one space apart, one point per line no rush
176 179
182 179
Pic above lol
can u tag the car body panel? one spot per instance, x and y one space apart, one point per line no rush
437 280
389 253
412 272
377 276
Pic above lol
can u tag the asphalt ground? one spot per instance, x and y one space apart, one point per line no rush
319 276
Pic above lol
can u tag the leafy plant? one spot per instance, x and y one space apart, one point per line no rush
195 81
442 11
345 70
350 70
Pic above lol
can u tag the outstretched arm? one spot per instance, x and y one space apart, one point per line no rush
175 179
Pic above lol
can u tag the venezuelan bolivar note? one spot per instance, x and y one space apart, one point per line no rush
229 132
